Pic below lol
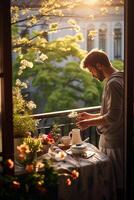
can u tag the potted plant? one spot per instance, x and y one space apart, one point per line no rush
22 122
39 178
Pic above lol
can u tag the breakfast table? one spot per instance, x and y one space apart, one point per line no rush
95 181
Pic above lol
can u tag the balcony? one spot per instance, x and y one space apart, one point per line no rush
46 120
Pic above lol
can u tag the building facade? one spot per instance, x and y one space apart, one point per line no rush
102 27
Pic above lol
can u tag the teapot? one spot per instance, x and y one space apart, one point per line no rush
75 135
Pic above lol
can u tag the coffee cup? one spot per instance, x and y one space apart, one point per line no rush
66 140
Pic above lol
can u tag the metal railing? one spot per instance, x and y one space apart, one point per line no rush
60 118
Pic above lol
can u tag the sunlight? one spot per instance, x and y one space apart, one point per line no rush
92 2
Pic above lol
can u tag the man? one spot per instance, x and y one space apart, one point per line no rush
109 121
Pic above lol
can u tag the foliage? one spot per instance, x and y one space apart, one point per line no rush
28 152
47 139
22 125
37 178
118 64
22 109
29 185
73 116
55 130
53 76
53 136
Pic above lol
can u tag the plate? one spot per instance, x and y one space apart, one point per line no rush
86 154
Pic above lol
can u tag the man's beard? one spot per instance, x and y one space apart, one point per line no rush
100 75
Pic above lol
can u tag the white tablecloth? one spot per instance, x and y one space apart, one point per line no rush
96 180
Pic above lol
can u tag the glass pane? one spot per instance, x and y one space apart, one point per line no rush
0 121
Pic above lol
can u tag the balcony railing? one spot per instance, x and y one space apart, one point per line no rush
47 120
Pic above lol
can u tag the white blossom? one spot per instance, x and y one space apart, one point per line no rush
43 57
26 63
31 105
73 114
20 84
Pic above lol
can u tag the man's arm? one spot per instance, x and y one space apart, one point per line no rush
86 123
85 115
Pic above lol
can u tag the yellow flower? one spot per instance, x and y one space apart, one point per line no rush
23 148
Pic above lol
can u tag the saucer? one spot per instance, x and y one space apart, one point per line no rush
85 154
78 148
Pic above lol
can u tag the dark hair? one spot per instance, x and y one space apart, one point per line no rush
96 56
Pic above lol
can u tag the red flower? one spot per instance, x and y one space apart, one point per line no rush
75 174
47 139
49 135
68 182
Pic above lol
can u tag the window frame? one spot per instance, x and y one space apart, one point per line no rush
102 38
128 100
6 82
90 41
6 93
117 43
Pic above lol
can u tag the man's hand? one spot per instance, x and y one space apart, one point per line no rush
83 116
84 124
86 120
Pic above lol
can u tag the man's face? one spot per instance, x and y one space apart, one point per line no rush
97 72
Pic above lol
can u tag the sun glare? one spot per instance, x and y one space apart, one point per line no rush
92 2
